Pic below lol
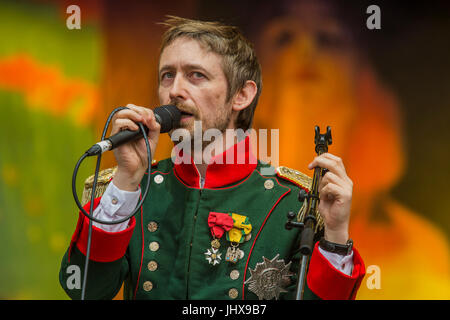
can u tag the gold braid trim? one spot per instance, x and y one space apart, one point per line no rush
296 177
303 181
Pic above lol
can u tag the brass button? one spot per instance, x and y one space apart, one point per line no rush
148 285
159 179
152 226
268 184
154 246
234 274
233 293
152 265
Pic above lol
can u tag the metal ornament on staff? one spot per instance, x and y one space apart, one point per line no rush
308 218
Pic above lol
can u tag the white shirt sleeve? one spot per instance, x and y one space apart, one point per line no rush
115 204
343 264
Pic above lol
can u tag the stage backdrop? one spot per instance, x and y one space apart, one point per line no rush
384 93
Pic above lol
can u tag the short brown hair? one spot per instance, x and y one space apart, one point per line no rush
239 59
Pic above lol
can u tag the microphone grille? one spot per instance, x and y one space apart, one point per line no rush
168 117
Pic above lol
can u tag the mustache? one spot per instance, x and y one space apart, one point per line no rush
185 108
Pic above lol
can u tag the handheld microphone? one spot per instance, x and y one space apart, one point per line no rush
168 116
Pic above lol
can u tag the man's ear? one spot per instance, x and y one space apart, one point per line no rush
245 96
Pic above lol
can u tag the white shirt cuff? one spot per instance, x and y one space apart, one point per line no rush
115 204
343 264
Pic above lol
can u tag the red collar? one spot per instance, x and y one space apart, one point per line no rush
222 173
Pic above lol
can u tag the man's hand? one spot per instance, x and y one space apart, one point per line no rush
335 189
132 157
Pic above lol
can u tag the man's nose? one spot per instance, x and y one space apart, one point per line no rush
178 88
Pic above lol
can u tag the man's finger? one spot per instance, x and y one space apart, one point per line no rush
330 177
330 191
330 164
128 114
122 124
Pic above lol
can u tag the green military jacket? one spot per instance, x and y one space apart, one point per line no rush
166 251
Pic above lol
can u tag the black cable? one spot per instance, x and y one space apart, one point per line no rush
94 185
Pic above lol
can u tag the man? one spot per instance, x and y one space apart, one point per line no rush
210 229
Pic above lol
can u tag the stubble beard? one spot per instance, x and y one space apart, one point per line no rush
220 122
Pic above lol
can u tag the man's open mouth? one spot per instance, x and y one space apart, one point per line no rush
185 114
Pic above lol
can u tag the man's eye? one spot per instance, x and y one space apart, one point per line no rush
166 75
198 75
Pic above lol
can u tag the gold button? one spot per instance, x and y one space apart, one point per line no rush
148 285
268 184
234 274
233 293
152 265
154 246
152 226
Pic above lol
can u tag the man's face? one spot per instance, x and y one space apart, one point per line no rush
191 77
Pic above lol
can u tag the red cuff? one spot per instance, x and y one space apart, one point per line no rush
105 246
329 283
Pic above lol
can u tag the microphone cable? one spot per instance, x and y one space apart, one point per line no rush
94 185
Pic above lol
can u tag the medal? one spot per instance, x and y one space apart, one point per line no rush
269 278
213 256
236 235
215 243
218 224
234 254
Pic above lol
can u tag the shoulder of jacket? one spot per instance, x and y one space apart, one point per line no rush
104 178
296 177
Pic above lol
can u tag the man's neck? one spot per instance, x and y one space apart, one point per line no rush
214 148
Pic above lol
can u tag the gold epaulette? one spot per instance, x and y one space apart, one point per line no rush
304 182
104 178
296 177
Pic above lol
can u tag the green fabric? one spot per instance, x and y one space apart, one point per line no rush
181 213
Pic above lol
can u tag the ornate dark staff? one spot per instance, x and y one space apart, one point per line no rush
308 216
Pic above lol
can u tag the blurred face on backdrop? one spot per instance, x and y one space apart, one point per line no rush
309 68
192 77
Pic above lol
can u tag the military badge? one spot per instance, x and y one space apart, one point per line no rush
269 278
234 254
236 235
213 256
218 224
